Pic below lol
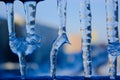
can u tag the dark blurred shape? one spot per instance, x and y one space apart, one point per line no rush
63 78
7 1
99 57
31 0
5 52
11 1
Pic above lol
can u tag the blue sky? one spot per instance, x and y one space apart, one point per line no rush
47 13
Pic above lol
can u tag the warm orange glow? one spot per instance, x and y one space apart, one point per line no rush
75 46
75 40
19 20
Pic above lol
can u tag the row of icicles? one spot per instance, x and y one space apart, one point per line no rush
23 47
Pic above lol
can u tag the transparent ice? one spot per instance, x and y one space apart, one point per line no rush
114 49
32 39
17 45
85 28
21 46
112 34
62 36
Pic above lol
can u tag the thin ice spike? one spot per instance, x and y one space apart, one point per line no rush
85 28
22 63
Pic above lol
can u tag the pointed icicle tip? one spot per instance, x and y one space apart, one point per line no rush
67 40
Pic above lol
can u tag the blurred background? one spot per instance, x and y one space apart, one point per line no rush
69 60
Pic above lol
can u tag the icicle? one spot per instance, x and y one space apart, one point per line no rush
10 16
112 34
85 21
62 37
11 27
18 46
32 38
22 63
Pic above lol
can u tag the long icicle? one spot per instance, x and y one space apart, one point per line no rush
112 34
14 43
62 36
85 21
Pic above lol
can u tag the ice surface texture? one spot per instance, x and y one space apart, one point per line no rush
21 46
32 41
85 28
114 49
112 34
62 37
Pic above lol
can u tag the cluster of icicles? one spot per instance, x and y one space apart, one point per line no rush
23 47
